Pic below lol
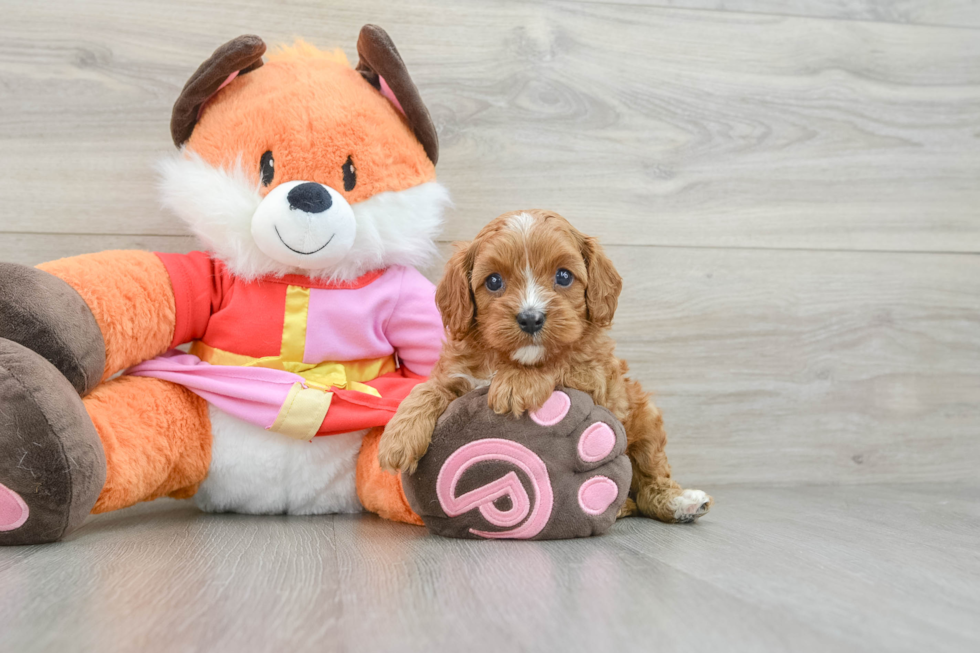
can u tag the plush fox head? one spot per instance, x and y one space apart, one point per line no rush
303 164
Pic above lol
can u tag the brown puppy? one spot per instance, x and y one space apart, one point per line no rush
527 306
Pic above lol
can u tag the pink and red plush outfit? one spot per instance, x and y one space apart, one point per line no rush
257 343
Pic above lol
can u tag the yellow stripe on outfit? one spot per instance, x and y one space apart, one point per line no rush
302 413
349 375
294 324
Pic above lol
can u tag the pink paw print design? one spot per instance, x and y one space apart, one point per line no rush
558 472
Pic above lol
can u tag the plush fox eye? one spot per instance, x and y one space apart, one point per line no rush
494 282
267 168
350 175
563 277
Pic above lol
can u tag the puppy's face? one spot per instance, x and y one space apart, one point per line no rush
529 284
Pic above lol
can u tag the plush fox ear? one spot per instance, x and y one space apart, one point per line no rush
381 65
236 57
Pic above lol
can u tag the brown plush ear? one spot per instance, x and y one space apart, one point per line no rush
379 60
240 55
604 285
454 296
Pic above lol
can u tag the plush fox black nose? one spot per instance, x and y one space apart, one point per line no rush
530 321
310 197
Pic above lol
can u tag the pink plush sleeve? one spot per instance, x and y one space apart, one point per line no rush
415 326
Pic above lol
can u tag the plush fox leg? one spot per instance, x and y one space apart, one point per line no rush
63 329
380 491
90 316
131 299
132 439
156 436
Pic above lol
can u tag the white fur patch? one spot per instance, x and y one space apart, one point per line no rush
256 471
218 206
521 222
533 297
392 228
528 355
687 505
472 380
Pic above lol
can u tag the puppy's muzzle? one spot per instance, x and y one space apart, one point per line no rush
530 321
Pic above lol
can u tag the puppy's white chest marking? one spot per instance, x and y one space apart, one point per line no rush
528 355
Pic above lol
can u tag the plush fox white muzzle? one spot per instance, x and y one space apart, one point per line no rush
304 224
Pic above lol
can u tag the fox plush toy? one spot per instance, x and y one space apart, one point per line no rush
312 185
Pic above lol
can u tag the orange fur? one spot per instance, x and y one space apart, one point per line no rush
575 348
339 114
378 491
129 294
156 436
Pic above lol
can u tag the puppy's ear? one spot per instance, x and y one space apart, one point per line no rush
604 285
454 296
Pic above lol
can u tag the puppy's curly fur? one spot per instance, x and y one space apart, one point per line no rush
563 341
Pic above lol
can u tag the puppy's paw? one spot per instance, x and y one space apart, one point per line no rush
500 398
689 505
672 505
504 397
400 449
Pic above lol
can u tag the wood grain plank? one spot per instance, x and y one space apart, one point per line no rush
167 577
31 249
950 13
807 367
910 551
646 125
584 595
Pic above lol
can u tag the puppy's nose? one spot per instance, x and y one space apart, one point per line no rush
310 197
530 321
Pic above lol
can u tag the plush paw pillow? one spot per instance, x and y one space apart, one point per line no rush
557 472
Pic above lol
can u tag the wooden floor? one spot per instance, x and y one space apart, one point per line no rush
791 191
876 568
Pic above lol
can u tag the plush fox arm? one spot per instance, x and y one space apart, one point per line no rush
415 327
131 298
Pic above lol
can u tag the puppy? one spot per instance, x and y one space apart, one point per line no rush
527 306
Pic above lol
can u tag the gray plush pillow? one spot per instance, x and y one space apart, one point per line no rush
557 472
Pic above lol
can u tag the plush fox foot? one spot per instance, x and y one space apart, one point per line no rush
52 466
43 313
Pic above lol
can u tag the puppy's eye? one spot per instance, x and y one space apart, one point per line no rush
494 282
267 168
350 175
564 278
